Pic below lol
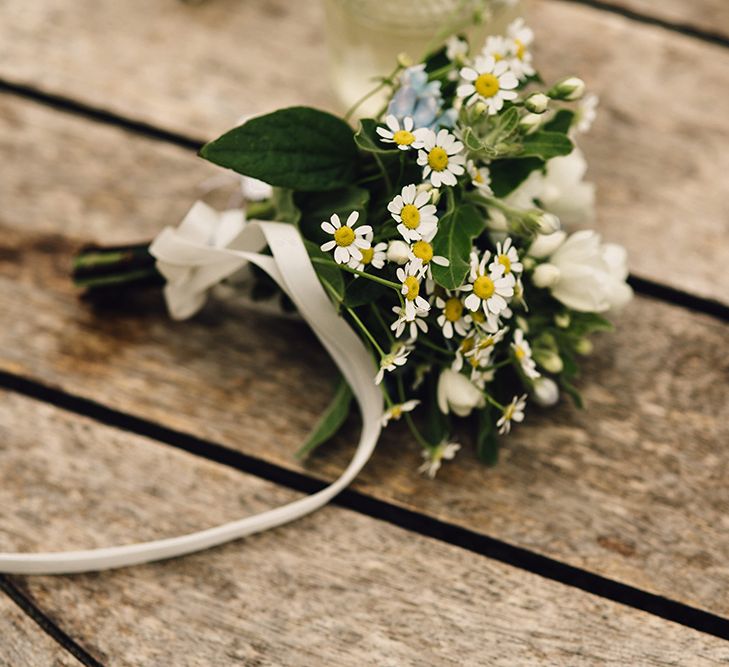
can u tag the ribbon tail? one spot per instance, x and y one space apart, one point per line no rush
291 268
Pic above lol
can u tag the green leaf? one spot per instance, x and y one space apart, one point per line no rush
572 391
456 230
362 291
510 173
331 421
582 324
299 148
286 209
546 145
328 272
368 139
561 122
316 207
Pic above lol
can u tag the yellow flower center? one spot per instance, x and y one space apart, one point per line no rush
498 56
474 361
367 255
453 310
437 159
520 49
396 411
487 85
509 411
413 287
467 345
344 236
403 138
483 288
423 251
478 317
486 343
478 178
505 262
410 216
519 352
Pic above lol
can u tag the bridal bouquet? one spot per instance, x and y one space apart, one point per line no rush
435 228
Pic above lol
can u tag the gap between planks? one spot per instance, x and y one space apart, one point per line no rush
422 524
644 286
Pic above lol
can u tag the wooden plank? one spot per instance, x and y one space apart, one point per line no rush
708 16
659 165
22 642
324 591
633 488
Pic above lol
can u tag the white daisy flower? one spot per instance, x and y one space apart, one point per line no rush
485 343
348 243
467 344
414 213
489 82
489 290
409 275
480 177
456 49
507 256
441 157
523 353
397 357
514 412
445 451
497 47
423 256
394 412
404 137
519 56
373 256
402 322
453 316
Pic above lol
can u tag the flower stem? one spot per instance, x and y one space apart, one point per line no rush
349 269
409 420
387 81
364 330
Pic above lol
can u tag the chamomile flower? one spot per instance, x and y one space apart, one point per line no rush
497 47
414 326
403 136
506 256
434 457
422 255
394 412
410 275
485 343
480 177
520 57
466 346
348 242
397 357
373 256
441 157
489 82
523 353
414 213
489 289
456 49
514 412
453 316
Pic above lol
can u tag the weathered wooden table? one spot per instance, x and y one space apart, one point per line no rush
601 538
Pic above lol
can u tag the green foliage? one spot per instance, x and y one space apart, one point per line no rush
328 273
299 148
331 421
316 207
368 139
456 231
561 122
361 291
546 145
284 206
508 174
487 441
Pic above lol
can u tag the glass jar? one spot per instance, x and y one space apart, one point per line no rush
366 36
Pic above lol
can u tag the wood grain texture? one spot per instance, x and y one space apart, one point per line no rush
24 644
658 157
633 488
709 16
335 588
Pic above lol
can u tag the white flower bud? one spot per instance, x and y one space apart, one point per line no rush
545 392
546 275
458 394
480 108
398 252
548 223
583 346
435 196
549 361
522 324
537 103
530 122
562 320
404 60
570 89
497 221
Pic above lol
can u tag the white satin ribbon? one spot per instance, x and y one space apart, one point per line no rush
291 268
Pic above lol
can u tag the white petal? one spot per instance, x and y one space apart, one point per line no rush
326 247
328 227
352 219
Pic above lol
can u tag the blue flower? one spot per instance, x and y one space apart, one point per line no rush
420 99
